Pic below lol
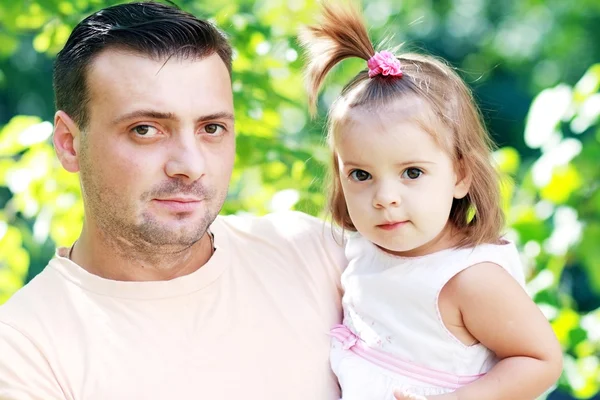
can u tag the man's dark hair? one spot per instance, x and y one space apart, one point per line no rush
156 30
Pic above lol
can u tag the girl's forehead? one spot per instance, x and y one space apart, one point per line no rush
384 118
372 147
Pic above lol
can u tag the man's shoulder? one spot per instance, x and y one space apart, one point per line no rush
284 225
290 232
25 337
32 299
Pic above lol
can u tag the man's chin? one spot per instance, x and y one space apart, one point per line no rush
172 234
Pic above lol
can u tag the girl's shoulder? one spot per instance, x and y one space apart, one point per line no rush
439 267
504 254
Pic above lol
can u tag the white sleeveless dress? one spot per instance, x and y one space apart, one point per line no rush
393 336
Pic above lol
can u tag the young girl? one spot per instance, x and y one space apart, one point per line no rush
434 306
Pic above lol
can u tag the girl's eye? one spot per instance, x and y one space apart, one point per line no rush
412 173
359 175
214 129
145 130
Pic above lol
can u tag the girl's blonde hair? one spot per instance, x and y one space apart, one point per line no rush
427 82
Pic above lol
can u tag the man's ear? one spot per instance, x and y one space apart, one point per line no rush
464 177
66 139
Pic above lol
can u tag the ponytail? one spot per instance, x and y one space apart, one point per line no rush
342 34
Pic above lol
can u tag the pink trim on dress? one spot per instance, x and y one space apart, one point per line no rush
384 360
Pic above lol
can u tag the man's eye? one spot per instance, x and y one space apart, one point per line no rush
359 175
412 173
214 129
145 130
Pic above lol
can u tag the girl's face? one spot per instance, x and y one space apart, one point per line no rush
398 183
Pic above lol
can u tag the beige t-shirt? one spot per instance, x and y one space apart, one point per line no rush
252 323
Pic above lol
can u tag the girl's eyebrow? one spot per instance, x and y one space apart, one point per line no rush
413 162
401 164
353 164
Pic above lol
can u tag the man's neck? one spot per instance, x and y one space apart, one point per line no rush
112 259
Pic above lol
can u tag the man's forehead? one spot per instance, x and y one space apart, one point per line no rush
122 57
126 71
123 82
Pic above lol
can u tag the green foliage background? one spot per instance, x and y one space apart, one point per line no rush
534 69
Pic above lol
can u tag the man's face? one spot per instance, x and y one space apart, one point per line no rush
157 154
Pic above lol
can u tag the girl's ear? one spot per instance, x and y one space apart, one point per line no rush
66 141
464 177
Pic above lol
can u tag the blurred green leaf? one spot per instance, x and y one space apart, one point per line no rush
13 136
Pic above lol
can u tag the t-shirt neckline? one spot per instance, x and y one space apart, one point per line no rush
147 290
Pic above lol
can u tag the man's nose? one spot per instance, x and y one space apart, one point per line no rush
187 159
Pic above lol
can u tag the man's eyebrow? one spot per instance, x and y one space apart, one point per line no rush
167 115
143 114
219 115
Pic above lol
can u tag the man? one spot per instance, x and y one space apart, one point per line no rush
159 298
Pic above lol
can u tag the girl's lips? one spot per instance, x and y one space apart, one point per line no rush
388 226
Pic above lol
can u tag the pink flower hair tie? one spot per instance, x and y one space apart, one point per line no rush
384 63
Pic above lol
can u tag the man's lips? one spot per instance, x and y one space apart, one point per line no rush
388 226
179 204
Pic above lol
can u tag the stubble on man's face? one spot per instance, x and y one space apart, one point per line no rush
122 221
